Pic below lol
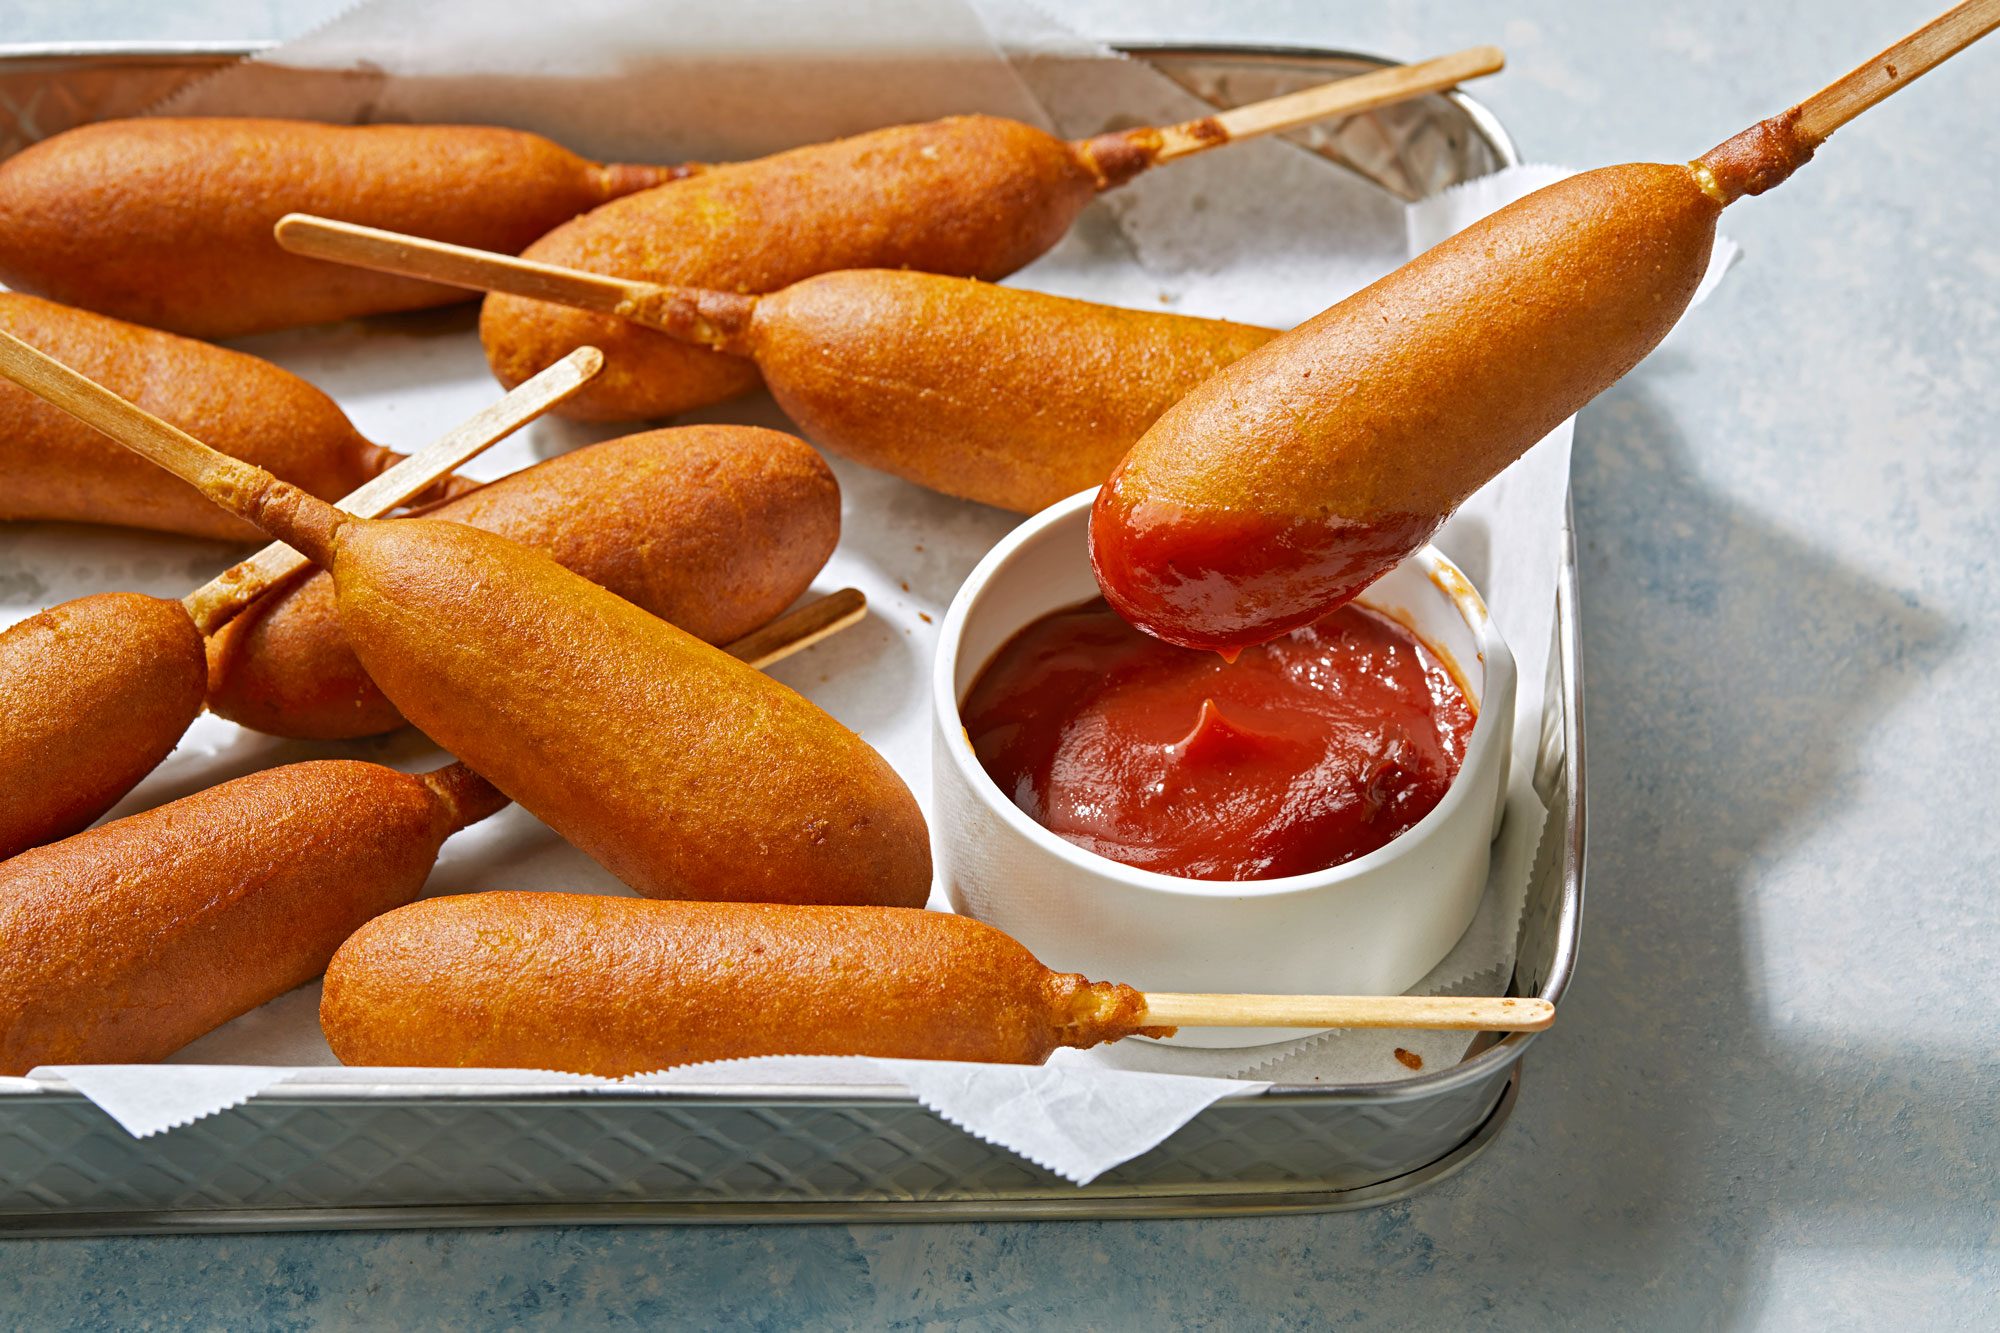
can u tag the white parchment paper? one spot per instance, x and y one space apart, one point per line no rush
1263 232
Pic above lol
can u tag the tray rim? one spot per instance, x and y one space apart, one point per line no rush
1487 1064
1086 1203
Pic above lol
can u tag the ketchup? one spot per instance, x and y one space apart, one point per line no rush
1222 579
1304 753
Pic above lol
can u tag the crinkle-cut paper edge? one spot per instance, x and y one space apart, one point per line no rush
163 105
888 1078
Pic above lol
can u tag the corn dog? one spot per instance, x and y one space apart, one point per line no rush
972 196
77 739
55 467
1282 487
1008 397
167 222
126 942
616 986
995 394
1279 489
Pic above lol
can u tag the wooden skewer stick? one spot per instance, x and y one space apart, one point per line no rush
462 266
1452 1012
1898 66
1767 153
798 630
216 602
1341 97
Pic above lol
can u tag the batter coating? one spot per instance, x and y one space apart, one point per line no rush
995 394
167 221
73 742
617 986
679 769
127 942
52 466
1282 487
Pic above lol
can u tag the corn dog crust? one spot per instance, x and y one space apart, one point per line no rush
679 769
715 528
1008 397
167 222
615 986
126 942
58 468
970 196
1285 484
142 652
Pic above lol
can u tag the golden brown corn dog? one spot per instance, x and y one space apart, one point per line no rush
1289 482
723 526
714 528
971 196
1009 397
1293 479
677 768
72 741
127 942
168 221
52 466
681 770
617 986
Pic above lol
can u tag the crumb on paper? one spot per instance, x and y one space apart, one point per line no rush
906 582
1409 1059
924 616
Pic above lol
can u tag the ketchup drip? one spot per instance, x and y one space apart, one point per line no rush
1306 752
1223 579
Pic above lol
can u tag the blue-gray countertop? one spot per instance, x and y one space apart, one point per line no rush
1773 1098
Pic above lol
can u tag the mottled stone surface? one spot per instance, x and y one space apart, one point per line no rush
1772 1098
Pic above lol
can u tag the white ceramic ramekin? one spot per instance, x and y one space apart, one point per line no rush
1374 926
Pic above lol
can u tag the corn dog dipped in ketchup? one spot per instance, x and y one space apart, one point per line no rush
127 942
995 394
969 196
1282 487
94 693
55 467
617 986
680 770
167 221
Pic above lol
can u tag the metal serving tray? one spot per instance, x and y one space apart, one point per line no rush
326 1156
